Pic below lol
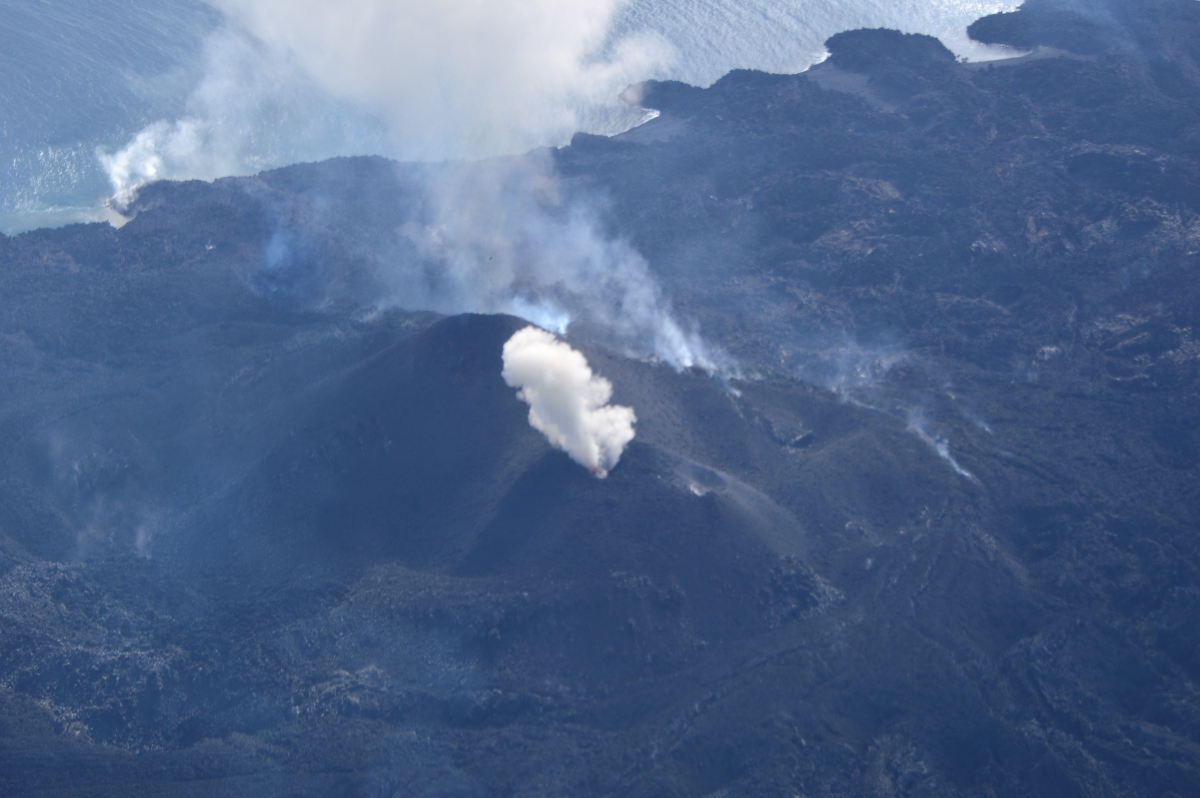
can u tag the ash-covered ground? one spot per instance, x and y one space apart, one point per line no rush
933 533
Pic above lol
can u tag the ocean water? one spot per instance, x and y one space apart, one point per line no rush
99 96
715 36
78 74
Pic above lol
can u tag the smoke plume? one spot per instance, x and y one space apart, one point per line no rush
304 80
255 108
917 426
567 402
507 236
286 82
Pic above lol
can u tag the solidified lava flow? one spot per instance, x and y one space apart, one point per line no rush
262 535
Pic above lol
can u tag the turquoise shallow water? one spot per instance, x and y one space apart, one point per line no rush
81 76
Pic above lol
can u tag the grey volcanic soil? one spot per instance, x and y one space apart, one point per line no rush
255 540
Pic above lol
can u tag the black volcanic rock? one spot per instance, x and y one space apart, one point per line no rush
259 538
1073 27
899 65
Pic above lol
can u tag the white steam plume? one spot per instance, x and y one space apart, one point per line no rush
567 402
255 108
916 425
304 80
312 79
493 236
461 78
503 236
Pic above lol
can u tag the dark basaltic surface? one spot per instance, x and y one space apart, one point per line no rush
939 539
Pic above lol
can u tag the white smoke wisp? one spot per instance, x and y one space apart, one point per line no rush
305 80
917 426
255 108
160 149
504 236
286 81
567 402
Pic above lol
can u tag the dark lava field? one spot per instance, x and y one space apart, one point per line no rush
936 533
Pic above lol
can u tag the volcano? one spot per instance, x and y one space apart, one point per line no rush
935 533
